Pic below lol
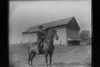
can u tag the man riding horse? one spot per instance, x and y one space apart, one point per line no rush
41 36
45 39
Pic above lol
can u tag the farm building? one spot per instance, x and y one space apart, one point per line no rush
67 29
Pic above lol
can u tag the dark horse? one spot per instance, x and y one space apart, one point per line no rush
47 48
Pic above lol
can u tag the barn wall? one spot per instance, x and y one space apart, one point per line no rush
31 37
25 38
62 36
72 34
60 31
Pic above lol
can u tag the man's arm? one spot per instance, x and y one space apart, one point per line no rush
43 34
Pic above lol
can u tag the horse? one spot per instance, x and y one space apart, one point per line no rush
47 47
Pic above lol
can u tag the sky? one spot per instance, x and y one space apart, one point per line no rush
24 14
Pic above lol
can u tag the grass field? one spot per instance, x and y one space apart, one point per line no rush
64 56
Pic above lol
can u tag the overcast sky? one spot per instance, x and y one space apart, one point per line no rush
26 14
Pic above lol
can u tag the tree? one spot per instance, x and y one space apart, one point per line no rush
85 35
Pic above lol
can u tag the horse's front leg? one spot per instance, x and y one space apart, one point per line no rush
32 56
29 59
46 59
50 59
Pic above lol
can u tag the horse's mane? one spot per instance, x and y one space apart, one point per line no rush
49 31
46 31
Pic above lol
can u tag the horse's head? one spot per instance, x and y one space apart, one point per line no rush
54 34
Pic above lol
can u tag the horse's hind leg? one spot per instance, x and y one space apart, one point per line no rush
46 59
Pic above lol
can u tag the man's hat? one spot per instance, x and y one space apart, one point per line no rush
40 27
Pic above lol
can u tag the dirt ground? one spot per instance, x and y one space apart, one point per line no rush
64 56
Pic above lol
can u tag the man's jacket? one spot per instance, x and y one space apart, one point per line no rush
40 35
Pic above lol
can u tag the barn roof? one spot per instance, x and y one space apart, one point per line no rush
57 23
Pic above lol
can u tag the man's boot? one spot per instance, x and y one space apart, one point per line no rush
38 50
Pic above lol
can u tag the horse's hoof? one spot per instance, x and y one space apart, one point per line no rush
28 66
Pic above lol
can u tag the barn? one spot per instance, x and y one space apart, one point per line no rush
67 29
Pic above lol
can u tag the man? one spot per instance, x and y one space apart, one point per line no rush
40 38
